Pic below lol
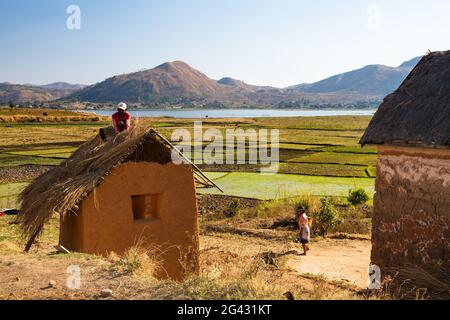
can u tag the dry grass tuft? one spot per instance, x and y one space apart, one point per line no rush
226 275
142 262
309 202
7 247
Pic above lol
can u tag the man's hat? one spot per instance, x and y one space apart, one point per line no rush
122 106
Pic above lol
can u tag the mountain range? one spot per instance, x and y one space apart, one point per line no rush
177 83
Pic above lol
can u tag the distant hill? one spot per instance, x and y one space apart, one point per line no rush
177 83
62 86
167 81
62 89
36 93
410 63
238 84
372 80
23 94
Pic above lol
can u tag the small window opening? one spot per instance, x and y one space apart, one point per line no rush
145 206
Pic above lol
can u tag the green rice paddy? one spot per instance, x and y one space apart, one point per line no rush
265 187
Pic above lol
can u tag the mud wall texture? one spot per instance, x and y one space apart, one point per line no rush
411 208
106 222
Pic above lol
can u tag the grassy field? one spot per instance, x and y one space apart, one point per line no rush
318 154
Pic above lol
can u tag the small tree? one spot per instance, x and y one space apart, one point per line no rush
11 106
357 196
326 218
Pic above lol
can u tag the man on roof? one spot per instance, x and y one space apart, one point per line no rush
121 119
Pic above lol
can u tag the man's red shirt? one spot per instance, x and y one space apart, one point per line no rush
121 118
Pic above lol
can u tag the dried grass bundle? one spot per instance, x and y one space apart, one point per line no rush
413 282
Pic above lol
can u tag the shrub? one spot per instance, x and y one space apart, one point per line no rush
326 218
357 196
233 209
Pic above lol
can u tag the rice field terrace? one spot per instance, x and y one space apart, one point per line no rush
318 155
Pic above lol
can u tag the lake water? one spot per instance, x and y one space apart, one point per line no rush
237 113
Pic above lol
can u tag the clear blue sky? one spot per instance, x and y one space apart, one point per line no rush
273 42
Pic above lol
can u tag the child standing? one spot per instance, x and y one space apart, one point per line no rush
303 225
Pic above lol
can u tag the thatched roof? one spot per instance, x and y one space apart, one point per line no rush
61 189
418 113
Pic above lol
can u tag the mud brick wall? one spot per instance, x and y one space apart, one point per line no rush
411 208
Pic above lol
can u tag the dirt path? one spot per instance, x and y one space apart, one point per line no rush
339 260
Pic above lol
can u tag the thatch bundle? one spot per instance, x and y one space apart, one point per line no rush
59 190
413 282
417 113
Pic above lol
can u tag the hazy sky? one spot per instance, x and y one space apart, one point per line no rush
273 42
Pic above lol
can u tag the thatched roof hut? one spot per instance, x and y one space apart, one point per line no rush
418 113
63 188
411 218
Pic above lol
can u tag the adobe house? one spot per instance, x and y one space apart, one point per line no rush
116 194
412 200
